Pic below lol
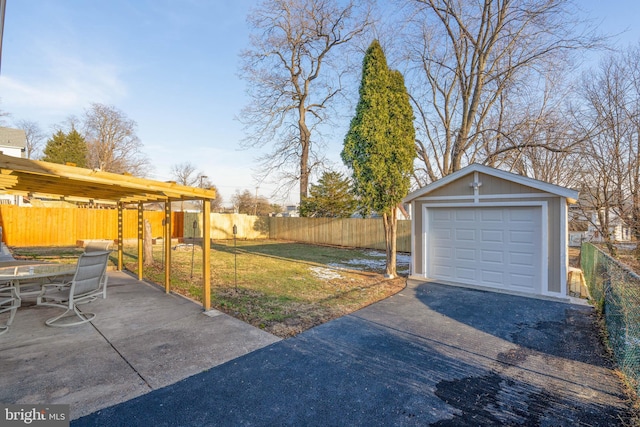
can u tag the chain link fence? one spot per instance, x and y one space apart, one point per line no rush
615 290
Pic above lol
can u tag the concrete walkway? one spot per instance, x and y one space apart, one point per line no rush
431 355
141 340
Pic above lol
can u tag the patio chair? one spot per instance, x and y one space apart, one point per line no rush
9 301
88 283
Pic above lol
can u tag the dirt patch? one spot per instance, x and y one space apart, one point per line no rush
574 257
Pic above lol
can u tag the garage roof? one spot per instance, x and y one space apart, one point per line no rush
50 180
569 194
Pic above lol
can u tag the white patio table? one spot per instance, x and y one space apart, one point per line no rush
34 276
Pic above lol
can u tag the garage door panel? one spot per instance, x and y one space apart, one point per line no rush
442 215
520 215
492 256
521 259
492 215
525 237
464 254
522 282
444 271
494 277
491 236
465 216
491 246
465 235
465 274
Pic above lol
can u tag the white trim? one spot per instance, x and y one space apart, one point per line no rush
425 236
487 205
488 196
544 241
571 195
564 246
412 209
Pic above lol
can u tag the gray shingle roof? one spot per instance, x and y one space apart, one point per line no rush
12 137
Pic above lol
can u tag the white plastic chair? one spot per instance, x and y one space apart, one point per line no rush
9 301
88 283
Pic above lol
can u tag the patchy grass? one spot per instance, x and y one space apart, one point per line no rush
281 287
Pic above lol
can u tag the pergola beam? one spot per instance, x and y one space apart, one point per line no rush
31 178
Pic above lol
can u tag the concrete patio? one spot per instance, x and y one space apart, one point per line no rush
141 340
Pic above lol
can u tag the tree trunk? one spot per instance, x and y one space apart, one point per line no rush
305 144
148 243
390 230
603 218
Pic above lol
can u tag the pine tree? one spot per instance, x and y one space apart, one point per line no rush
66 148
331 197
379 146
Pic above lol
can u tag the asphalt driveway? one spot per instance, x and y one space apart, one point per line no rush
431 355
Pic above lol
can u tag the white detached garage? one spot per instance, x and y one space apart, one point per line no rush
484 227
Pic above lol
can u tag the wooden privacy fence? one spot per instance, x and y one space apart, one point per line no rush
31 226
349 232
36 226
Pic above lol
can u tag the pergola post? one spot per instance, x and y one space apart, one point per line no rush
140 240
120 235
206 254
167 246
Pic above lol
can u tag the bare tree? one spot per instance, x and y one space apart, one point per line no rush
187 174
35 137
466 57
610 118
294 78
112 141
250 204
532 136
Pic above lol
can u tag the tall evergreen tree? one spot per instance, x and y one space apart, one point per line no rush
379 146
66 148
330 197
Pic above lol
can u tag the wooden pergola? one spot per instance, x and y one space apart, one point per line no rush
34 178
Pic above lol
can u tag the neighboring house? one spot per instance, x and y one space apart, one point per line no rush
289 211
401 213
487 228
619 230
584 224
13 142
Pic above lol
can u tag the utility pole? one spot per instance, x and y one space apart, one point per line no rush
255 208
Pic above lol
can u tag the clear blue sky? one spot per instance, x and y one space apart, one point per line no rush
169 65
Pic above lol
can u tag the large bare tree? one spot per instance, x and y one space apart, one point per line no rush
467 58
35 137
294 69
531 135
112 141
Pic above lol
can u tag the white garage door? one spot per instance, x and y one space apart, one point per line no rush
497 247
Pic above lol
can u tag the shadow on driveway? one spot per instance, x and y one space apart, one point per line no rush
430 355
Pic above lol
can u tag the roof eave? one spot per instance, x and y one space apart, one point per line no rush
570 194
